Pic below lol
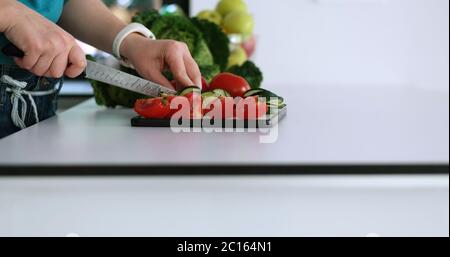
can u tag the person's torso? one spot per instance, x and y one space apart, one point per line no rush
50 9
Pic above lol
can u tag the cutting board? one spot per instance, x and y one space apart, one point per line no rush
265 122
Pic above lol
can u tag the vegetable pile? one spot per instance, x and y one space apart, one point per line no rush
228 96
206 41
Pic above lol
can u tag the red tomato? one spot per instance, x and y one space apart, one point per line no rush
228 107
155 108
205 85
195 110
235 85
195 101
170 98
250 108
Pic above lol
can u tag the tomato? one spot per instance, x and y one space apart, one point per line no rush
235 85
228 107
195 101
170 98
155 108
250 108
205 86
160 108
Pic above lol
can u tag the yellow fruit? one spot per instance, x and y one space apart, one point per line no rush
237 57
239 22
211 16
226 6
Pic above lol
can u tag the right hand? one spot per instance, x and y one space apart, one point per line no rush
49 50
151 57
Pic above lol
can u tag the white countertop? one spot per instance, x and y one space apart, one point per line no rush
324 125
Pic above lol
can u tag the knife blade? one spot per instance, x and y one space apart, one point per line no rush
111 76
108 75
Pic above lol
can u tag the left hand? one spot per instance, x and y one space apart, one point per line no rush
151 57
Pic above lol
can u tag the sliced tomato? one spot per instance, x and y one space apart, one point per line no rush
154 108
195 101
228 107
175 110
250 108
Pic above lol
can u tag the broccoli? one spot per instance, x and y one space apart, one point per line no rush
250 72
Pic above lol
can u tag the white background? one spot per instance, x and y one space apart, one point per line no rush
389 43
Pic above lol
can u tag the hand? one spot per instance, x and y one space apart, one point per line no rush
151 57
49 50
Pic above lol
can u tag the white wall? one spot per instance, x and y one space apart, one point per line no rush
351 42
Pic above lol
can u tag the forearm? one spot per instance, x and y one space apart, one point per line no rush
91 22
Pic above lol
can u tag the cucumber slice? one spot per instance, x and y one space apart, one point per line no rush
206 103
266 94
211 96
276 106
221 93
208 95
253 92
208 98
216 93
279 102
189 90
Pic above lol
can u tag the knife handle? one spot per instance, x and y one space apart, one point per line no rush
12 51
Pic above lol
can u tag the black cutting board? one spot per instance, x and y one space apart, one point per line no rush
267 122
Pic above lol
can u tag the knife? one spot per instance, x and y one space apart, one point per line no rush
108 75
